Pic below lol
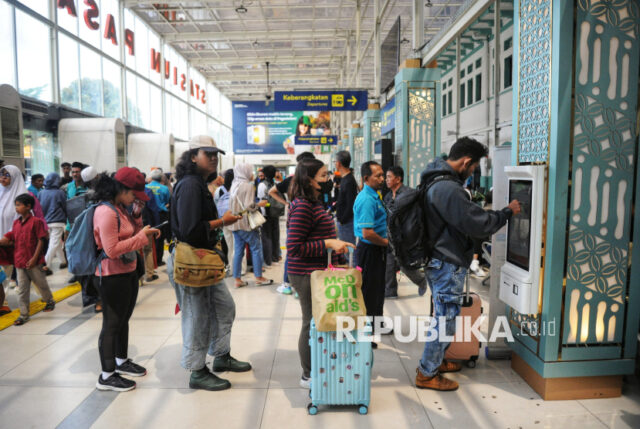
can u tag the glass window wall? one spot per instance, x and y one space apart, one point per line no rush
7 73
91 70
68 71
34 57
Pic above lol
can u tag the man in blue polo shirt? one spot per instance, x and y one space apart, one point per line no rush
370 226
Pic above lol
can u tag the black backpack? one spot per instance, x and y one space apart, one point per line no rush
407 229
276 208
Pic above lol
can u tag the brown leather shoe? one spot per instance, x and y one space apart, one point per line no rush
449 366
437 382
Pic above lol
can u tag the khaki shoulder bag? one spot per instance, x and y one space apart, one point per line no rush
198 267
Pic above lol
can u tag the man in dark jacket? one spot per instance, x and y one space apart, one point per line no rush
346 197
54 206
394 180
453 220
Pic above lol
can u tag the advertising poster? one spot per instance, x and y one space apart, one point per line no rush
259 129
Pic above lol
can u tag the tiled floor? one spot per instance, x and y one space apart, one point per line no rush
48 369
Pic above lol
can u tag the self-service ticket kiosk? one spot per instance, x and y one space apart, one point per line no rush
520 275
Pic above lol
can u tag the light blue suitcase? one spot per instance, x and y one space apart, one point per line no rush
340 371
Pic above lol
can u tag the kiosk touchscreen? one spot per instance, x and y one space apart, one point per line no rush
520 275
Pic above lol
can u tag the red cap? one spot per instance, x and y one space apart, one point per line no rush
132 179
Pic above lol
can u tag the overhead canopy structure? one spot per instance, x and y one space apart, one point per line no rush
309 44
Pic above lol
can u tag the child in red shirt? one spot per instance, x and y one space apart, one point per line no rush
27 236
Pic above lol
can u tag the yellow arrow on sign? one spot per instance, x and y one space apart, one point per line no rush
353 100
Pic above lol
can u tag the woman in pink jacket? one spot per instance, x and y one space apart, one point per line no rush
119 235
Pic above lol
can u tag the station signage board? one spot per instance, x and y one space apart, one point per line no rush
337 100
388 117
317 140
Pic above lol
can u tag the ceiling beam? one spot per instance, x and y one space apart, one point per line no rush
219 36
272 59
274 76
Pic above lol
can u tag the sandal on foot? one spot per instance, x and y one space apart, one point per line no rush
266 282
21 321
241 284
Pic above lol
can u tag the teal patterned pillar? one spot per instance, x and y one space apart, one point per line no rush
371 132
576 68
356 148
417 120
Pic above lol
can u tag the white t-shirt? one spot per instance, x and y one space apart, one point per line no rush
262 195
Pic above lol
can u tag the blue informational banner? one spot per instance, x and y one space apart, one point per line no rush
317 140
388 117
320 100
260 129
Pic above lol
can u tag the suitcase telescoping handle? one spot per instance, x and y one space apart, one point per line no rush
330 251
467 287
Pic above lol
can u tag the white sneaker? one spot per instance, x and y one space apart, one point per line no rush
476 270
284 289
305 383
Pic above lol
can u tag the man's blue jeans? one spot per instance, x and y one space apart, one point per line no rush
345 232
252 238
207 317
447 286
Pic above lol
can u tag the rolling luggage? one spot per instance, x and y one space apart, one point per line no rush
468 351
340 371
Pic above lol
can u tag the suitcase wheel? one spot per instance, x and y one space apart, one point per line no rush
312 409
471 363
363 409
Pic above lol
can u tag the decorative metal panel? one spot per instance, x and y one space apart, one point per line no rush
607 52
358 156
534 80
400 118
421 132
375 131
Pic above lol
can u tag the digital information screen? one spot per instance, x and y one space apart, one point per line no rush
519 235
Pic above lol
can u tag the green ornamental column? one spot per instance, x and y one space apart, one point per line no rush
576 68
371 130
356 148
417 131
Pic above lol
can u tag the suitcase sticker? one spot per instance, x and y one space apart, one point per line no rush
340 371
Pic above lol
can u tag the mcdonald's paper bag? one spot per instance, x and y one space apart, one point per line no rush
334 293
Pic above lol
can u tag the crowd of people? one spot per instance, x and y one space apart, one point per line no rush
219 225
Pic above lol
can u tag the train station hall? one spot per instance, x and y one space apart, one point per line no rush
272 214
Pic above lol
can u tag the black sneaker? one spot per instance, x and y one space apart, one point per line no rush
131 369
205 380
115 383
49 307
229 363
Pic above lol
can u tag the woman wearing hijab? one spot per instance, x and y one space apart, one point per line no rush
13 185
243 196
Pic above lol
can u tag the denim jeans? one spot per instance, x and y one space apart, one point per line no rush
447 283
252 238
207 317
345 232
